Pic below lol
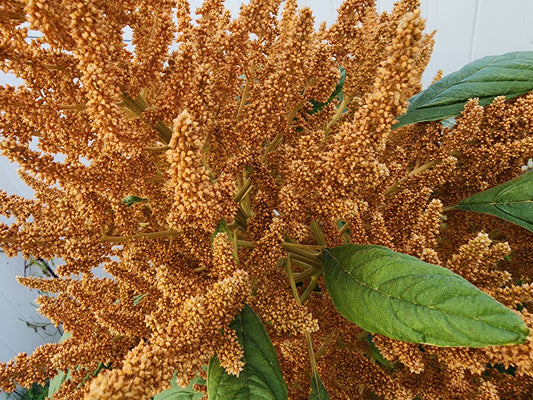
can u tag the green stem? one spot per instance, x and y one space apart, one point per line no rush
312 358
288 269
292 282
309 251
414 172
241 218
273 145
136 107
448 208
235 245
319 235
344 228
340 109
165 133
244 96
150 235
310 287
323 349
243 191
244 243
315 263
302 264
308 273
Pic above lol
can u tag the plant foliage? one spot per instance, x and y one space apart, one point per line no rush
261 376
511 201
399 296
509 75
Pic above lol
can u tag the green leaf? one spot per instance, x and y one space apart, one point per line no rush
261 377
35 392
512 201
99 367
375 353
138 299
318 391
222 227
508 75
64 336
131 200
56 382
404 298
179 393
318 106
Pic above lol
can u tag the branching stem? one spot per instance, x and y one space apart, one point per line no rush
244 96
272 146
310 251
319 235
414 172
149 235
340 109
290 276
310 287
243 191
309 272
448 208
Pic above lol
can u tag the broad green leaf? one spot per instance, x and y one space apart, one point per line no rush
318 391
512 201
404 298
448 122
261 377
179 393
61 377
131 200
35 392
508 75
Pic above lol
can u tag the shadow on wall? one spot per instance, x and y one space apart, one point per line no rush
23 328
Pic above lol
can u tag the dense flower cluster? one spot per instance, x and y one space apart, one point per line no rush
210 123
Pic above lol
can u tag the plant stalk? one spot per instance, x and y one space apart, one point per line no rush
308 273
319 235
414 172
149 235
340 109
309 289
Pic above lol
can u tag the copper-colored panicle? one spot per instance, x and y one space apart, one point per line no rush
210 122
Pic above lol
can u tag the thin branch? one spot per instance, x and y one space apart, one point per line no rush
150 235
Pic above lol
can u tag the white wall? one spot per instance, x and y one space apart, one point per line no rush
466 30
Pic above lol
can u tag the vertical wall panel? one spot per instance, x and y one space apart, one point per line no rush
500 29
454 21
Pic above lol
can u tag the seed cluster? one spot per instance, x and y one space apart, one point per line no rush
212 123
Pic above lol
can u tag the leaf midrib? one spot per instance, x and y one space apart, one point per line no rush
413 303
496 203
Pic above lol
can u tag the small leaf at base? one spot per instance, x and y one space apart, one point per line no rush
261 377
318 391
